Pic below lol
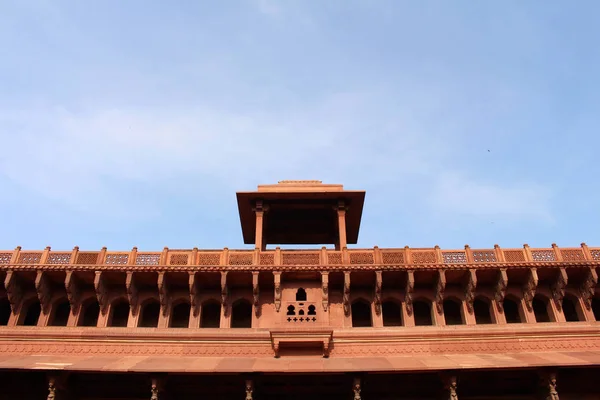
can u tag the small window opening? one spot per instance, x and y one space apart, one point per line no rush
596 308
301 312
241 314
482 312
361 314
32 315
570 309
90 312
4 311
452 312
61 312
422 313
210 315
301 295
311 310
392 313
120 314
150 314
540 309
291 310
180 315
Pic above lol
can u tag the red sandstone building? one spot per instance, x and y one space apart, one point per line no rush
328 323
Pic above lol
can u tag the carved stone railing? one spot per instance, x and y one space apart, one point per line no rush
407 258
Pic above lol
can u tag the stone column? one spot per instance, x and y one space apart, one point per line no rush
342 241
356 389
260 209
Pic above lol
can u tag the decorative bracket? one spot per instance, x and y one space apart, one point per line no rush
410 287
224 292
51 389
440 287
73 288
470 287
588 287
356 388
500 290
14 291
132 292
44 291
163 292
548 383
156 388
277 277
249 389
325 289
101 292
378 284
450 385
255 293
559 286
530 287
346 297
194 294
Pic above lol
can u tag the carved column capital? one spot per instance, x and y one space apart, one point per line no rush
500 289
408 294
440 287
44 291
194 301
255 293
224 292
356 388
249 389
325 289
470 286
588 287
559 286
277 278
101 292
530 287
346 294
73 288
378 285
132 292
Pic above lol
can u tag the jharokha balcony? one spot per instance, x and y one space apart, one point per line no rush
401 309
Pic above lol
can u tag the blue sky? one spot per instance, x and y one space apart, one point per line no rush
133 123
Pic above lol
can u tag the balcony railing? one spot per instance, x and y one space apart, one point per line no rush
348 257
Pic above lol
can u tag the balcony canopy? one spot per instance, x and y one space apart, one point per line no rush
300 212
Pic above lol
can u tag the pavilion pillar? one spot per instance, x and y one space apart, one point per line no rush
259 241
342 241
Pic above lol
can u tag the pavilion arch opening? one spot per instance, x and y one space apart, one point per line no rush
361 314
119 313
150 314
422 313
596 308
210 314
540 309
570 307
301 295
60 313
4 311
32 313
452 312
511 311
481 309
392 313
180 315
241 314
90 311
